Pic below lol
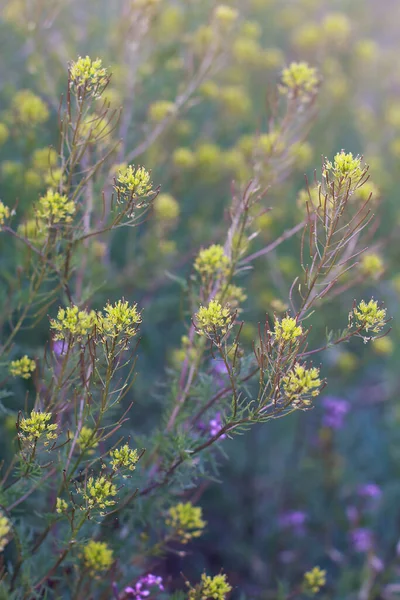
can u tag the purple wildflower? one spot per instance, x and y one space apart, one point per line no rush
335 411
361 539
139 591
220 372
60 347
215 425
370 490
294 520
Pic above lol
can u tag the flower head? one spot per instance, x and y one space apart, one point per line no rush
5 529
210 587
158 111
124 457
71 321
87 439
99 492
299 80
301 383
55 208
335 411
361 539
88 75
133 182
369 316
4 212
372 265
22 367
186 521
166 208
61 505
37 426
140 590
314 580
214 320
29 109
345 166
287 329
212 261
119 319
97 556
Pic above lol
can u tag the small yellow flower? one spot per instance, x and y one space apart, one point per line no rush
55 207
372 265
214 320
185 521
88 75
71 321
287 329
124 457
61 505
87 439
23 367
158 111
183 158
37 426
29 109
212 261
99 492
119 319
299 80
133 182
383 346
301 383
225 15
369 316
4 212
345 166
5 529
166 208
97 556
210 587
44 158
314 580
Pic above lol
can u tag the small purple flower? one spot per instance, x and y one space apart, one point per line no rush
60 347
361 539
148 580
220 372
294 520
215 425
335 411
370 490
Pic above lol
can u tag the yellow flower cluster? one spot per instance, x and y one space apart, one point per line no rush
5 529
214 319
369 316
300 383
183 158
314 580
287 329
87 439
73 322
372 265
345 166
124 457
299 80
212 261
23 367
235 296
97 556
210 587
61 505
132 182
166 208
158 111
186 521
4 212
29 109
225 15
55 207
98 492
119 319
37 426
88 75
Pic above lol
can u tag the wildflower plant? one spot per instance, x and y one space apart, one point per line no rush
72 457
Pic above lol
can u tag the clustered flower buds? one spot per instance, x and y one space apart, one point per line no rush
216 587
87 439
299 80
88 75
214 321
97 556
55 208
287 330
23 367
5 529
124 457
369 316
37 426
314 580
98 493
212 261
300 384
185 521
